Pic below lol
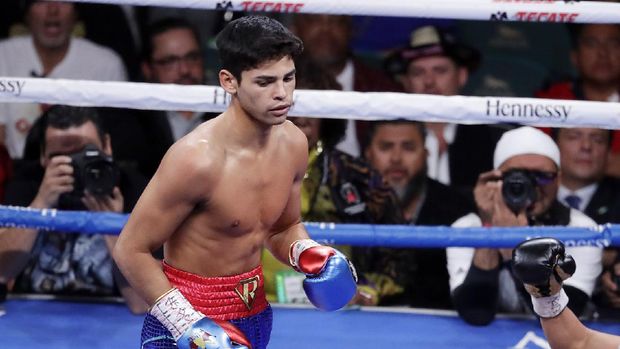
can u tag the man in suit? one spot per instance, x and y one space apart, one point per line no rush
584 186
433 62
595 55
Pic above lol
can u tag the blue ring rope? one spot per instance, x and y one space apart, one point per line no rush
86 222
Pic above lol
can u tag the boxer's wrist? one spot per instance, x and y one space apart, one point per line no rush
551 306
175 312
297 247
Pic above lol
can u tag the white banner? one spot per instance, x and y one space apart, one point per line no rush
566 11
313 103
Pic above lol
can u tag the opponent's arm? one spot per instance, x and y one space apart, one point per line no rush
543 265
565 331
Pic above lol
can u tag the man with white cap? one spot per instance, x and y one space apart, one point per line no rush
520 191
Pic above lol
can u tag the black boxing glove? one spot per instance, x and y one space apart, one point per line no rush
542 265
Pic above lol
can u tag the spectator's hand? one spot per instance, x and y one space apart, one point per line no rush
111 203
503 216
365 295
491 206
610 287
486 190
57 180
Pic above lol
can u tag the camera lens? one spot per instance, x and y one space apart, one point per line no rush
100 178
518 189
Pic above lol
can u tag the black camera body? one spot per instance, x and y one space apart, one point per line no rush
519 189
93 171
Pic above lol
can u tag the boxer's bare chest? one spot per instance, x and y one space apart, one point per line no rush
251 193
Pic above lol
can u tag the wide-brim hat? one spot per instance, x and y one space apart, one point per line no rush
432 41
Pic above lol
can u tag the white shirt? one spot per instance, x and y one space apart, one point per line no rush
588 258
439 165
18 58
585 194
349 143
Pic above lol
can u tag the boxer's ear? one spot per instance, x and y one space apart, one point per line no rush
228 81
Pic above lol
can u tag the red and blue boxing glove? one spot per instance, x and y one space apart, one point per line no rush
330 278
192 329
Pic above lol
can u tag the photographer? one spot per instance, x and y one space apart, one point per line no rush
521 191
75 172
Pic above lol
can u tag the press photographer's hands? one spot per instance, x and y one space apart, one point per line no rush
88 176
57 180
491 203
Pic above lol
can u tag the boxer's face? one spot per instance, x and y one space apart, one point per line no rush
546 193
597 56
436 75
397 152
51 23
71 140
266 92
583 154
176 59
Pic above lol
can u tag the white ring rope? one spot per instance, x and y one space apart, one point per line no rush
325 104
502 10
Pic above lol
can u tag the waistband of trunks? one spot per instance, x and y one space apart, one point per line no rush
221 297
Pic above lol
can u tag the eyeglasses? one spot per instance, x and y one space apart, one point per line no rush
172 62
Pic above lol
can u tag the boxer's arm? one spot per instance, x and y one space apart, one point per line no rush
542 265
289 228
161 209
565 331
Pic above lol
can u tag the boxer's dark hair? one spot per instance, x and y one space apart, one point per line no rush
247 42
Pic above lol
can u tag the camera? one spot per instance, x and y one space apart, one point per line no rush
93 171
519 189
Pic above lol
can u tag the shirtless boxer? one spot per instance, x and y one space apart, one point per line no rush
543 265
223 192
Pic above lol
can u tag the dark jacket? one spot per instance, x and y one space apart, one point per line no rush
471 154
604 206
419 273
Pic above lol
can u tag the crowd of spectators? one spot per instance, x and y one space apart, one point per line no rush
385 172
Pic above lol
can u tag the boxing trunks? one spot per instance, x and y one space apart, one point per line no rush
239 299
